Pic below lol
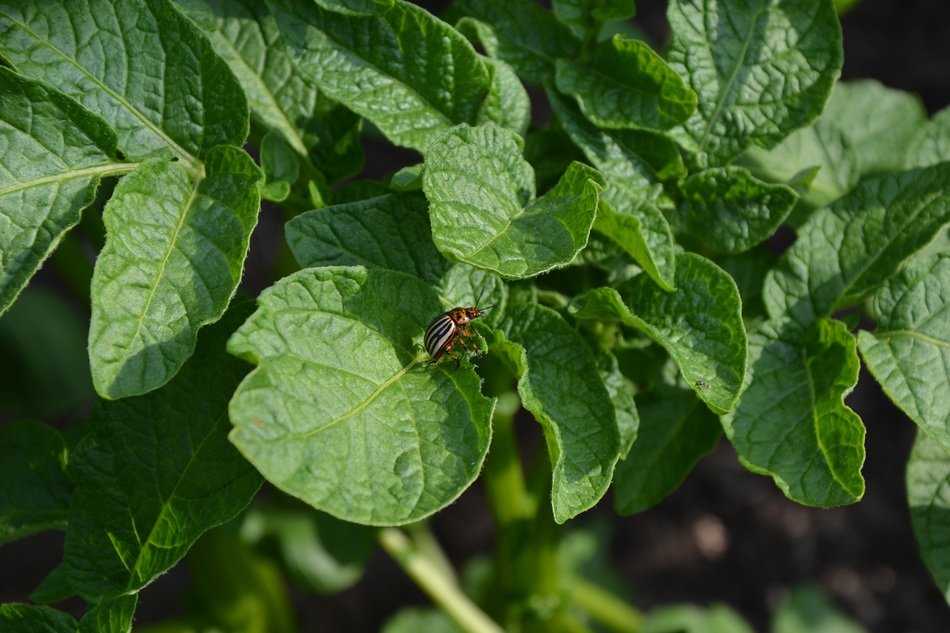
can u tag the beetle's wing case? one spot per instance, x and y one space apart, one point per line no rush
440 332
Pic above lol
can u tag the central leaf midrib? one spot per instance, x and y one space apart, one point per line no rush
160 274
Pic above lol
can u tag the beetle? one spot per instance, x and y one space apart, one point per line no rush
448 328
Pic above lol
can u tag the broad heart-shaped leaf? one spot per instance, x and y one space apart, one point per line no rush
730 210
932 145
519 32
864 129
909 352
342 410
561 387
844 252
699 325
792 423
140 64
156 473
35 495
928 495
675 431
390 231
483 210
281 98
29 618
409 73
626 84
761 68
634 162
172 261
52 154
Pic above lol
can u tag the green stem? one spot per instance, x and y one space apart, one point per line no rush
504 478
427 545
429 576
606 608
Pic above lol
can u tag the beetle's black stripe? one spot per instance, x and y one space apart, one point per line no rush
439 333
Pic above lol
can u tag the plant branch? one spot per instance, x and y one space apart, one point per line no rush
606 608
429 576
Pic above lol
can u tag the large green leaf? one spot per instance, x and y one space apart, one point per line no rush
390 231
281 97
29 618
483 209
52 155
343 411
730 210
560 385
634 162
155 473
844 252
761 68
35 496
865 129
700 324
626 84
409 73
507 103
520 32
909 351
140 64
932 144
928 495
675 431
792 423
173 259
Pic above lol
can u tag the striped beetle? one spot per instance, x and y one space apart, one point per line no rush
447 329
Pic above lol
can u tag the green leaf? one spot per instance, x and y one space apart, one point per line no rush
507 103
280 96
280 166
730 210
699 325
390 231
634 162
844 252
342 411
320 552
356 7
675 431
140 64
28 618
879 122
173 259
561 387
519 32
410 74
932 145
760 68
909 352
791 422
483 209
36 494
113 615
622 391
928 495
626 84
808 610
53 154
586 16
156 473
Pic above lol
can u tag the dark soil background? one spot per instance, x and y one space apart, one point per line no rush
726 535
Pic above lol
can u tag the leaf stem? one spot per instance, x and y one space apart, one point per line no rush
429 576
604 607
